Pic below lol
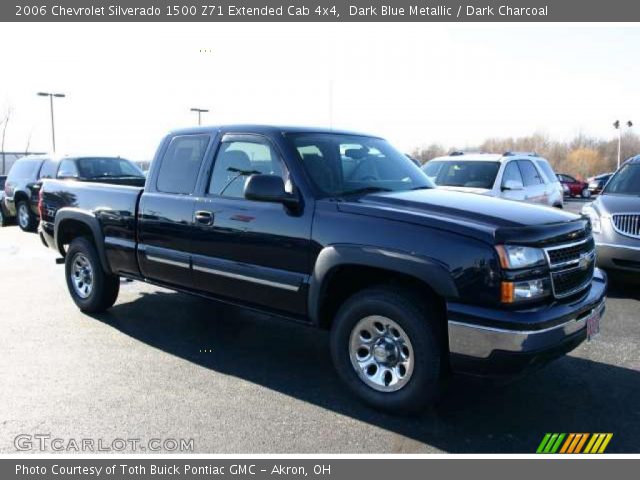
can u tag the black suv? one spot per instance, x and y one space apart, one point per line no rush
21 191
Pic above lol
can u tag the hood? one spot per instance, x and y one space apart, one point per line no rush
493 218
611 204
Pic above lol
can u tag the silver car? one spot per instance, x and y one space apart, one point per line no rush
615 219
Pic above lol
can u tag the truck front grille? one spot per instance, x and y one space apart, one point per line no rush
572 266
627 224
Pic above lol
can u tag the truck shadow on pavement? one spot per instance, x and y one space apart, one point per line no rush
570 395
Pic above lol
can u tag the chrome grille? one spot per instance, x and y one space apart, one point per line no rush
627 224
572 266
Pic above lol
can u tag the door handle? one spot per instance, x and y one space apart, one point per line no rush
204 218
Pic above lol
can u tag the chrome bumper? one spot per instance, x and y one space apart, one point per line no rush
481 342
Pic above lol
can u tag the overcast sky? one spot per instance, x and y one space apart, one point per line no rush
127 84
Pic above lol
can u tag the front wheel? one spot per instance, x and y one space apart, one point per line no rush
586 193
92 289
387 348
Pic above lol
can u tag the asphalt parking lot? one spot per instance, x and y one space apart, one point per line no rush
165 365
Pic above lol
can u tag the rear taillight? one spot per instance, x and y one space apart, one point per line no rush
41 203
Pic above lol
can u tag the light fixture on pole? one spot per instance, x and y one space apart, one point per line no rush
618 127
53 130
200 112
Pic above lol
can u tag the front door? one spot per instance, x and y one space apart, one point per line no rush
256 252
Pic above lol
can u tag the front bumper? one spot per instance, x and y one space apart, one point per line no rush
492 342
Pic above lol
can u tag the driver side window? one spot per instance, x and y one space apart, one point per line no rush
238 160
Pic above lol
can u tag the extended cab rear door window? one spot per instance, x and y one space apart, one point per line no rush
181 163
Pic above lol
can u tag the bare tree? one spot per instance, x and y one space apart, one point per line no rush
5 123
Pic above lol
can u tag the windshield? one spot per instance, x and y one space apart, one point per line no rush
626 181
97 167
464 173
341 164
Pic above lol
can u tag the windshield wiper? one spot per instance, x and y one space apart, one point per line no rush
363 190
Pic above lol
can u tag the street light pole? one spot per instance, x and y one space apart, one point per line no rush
200 112
618 127
53 129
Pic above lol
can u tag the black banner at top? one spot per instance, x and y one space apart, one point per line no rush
319 11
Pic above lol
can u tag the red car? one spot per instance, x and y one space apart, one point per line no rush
576 188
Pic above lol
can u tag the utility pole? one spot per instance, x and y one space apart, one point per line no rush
200 112
53 129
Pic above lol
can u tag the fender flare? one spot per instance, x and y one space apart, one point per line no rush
88 219
428 270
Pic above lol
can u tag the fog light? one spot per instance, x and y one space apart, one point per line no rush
513 292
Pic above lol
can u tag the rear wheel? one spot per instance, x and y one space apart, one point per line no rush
3 219
92 289
387 348
26 219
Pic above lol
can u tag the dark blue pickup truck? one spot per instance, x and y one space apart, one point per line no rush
340 231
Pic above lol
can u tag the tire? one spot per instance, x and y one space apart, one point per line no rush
3 218
92 289
27 221
418 321
586 193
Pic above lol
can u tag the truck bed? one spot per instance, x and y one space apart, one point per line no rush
114 207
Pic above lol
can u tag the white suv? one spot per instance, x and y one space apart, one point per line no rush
513 175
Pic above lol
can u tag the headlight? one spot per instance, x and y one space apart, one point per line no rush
513 257
589 211
513 292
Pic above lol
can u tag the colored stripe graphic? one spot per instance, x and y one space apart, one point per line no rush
573 443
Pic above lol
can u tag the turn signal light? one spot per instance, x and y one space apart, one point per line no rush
506 292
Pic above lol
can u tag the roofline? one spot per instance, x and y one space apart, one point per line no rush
264 128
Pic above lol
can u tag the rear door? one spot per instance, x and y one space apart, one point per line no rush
255 252
534 187
165 212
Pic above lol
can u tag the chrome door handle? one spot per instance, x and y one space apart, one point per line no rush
204 217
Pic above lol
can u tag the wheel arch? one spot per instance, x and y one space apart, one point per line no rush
342 270
71 223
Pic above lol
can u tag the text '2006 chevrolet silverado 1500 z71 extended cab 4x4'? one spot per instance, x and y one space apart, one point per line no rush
343 232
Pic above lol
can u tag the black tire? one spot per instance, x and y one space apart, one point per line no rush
104 287
3 218
586 193
421 322
29 222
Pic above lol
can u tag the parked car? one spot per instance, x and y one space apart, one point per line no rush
3 212
615 217
597 183
575 188
339 231
27 173
21 191
515 176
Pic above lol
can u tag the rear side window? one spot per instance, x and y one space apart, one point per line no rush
530 174
49 169
548 172
25 169
181 163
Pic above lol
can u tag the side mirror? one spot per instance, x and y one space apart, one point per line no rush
268 188
512 185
